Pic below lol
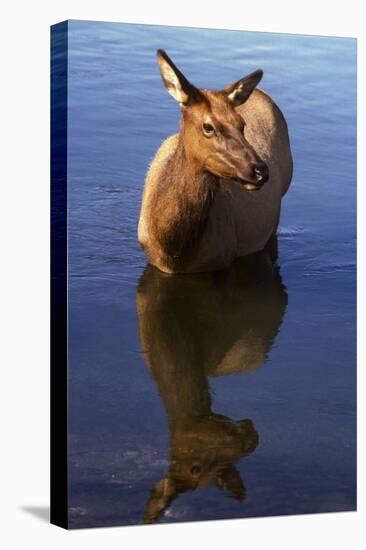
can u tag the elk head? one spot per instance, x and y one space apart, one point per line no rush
213 131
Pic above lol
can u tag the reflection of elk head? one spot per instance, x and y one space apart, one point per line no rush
192 327
203 453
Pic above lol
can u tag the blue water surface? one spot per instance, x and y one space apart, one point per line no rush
134 370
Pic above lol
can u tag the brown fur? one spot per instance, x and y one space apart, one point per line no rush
179 225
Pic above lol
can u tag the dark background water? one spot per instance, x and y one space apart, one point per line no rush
276 349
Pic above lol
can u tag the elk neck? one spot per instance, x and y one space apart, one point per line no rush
182 204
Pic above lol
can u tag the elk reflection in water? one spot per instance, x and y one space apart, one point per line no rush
197 326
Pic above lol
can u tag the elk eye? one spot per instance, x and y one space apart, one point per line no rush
208 129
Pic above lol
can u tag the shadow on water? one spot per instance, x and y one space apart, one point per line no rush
193 327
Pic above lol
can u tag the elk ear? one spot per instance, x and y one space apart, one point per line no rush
175 82
239 91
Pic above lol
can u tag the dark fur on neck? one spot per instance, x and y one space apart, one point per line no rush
180 208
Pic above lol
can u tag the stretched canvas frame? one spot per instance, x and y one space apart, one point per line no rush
62 207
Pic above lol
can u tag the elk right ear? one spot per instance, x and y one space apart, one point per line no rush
175 82
239 91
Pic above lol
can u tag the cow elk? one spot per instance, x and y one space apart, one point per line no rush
213 191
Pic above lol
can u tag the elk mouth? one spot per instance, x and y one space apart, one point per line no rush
250 185
245 183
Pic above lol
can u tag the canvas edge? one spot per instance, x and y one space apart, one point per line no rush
58 286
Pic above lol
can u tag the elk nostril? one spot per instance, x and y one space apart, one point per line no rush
260 173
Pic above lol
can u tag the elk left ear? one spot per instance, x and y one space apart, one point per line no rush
175 82
239 91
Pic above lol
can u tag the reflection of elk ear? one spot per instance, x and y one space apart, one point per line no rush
250 436
229 480
161 496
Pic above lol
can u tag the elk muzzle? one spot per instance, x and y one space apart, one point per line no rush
250 169
254 176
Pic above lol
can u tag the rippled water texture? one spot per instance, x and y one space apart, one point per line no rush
209 397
